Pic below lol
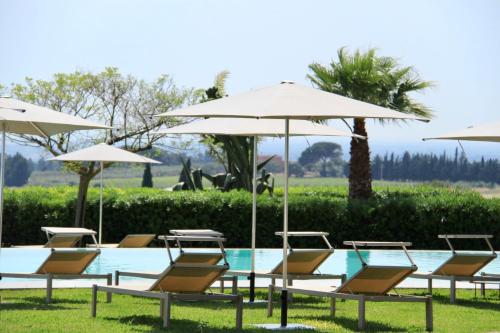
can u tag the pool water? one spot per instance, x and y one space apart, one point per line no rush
156 259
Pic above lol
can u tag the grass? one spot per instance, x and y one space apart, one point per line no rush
26 311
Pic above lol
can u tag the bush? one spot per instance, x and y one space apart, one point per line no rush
410 214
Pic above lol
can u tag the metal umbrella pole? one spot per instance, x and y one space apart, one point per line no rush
2 180
254 222
100 204
284 291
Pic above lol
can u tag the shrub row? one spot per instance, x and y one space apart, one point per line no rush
411 214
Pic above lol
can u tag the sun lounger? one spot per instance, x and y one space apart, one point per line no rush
302 263
185 280
68 264
60 237
130 241
461 266
370 283
483 284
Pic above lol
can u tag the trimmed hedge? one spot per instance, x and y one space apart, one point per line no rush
416 214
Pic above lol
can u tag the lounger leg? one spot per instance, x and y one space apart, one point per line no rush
429 325
221 286
333 302
343 279
117 278
290 295
429 286
93 310
109 283
49 288
239 312
453 290
166 309
234 288
270 300
162 307
251 278
361 313
483 290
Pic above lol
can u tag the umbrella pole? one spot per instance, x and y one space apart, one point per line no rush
100 205
254 221
2 180
284 291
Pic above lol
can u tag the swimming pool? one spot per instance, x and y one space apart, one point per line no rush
156 259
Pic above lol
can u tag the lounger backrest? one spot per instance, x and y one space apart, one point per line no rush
463 264
63 241
375 280
186 278
199 258
134 241
67 262
304 262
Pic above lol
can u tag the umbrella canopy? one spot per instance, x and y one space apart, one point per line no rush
19 117
289 101
103 153
487 132
255 127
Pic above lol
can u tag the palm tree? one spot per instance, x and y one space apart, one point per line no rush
373 79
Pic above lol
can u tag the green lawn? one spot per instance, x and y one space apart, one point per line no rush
25 311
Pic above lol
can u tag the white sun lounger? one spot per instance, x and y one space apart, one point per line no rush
302 264
67 264
370 284
184 280
461 266
130 241
61 237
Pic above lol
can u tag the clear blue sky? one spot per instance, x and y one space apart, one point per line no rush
454 43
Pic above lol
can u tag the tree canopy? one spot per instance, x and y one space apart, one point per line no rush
327 154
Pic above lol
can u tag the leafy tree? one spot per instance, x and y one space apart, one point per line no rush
295 169
124 103
147 176
17 170
324 153
373 79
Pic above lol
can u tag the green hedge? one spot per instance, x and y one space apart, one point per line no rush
411 214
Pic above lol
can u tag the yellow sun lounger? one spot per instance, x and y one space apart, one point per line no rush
130 241
61 237
63 265
461 266
183 280
302 264
370 283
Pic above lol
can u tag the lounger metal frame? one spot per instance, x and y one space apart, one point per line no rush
291 277
54 232
436 275
166 297
363 298
50 277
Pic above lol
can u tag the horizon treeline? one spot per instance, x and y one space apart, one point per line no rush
429 167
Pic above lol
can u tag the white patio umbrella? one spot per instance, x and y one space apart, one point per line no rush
487 132
103 153
19 117
255 128
288 101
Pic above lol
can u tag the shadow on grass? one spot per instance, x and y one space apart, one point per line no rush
352 324
181 325
55 300
472 303
30 306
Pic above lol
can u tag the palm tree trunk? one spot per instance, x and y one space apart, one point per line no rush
360 176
